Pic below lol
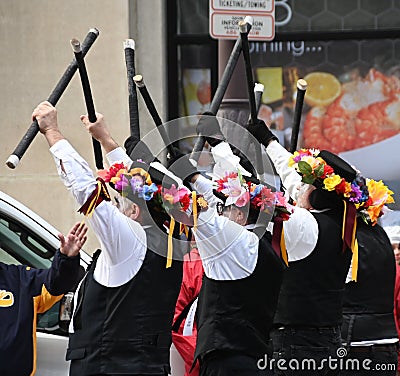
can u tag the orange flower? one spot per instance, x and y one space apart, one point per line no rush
379 192
374 212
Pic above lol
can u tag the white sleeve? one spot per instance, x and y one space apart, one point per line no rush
121 239
301 234
118 155
280 158
204 186
225 160
73 170
228 251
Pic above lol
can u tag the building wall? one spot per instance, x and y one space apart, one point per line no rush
35 44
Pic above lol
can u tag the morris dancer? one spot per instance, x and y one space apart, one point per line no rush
122 318
242 270
309 312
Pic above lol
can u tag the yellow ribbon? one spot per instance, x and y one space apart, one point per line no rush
354 262
100 189
354 250
184 229
194 201
344 218
283 248
92 204
169 252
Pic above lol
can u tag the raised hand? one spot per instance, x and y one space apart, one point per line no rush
71 244
261 132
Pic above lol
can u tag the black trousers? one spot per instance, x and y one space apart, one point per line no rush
134 374
307 351
371 360
222 363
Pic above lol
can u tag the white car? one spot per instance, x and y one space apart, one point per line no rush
26 238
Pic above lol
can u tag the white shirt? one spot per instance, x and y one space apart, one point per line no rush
123 241
228 250
301 230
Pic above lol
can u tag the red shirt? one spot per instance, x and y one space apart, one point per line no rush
191 284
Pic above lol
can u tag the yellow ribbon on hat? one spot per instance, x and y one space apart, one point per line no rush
283 248
169 252
194 205
353 243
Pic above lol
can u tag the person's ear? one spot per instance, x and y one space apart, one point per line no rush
240 217
135 211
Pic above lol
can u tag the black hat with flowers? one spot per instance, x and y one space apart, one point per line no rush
337 180
339 165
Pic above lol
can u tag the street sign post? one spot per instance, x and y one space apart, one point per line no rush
225 16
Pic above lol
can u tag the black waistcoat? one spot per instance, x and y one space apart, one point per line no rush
370 299
312 288
237 315
127 329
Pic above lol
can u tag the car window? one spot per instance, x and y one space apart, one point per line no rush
48 321
18 245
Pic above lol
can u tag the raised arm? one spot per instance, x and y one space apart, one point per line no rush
279 156
64 271
121 238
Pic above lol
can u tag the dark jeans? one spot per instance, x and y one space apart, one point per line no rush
371 360
222 363
306 351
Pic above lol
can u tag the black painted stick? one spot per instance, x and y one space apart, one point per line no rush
219 94
76 47
138 79
243 28
129 46
258 92
301 91
14 159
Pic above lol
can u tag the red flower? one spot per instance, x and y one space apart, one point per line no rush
368 203
341 187
185 202
327 171
107 175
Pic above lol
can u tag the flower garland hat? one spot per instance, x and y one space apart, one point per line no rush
235 189
360 196
156 186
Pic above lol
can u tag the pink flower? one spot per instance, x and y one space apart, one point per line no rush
174 195
243 199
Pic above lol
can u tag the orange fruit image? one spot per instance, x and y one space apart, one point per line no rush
323 88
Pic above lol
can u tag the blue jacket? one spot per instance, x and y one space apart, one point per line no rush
25 292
